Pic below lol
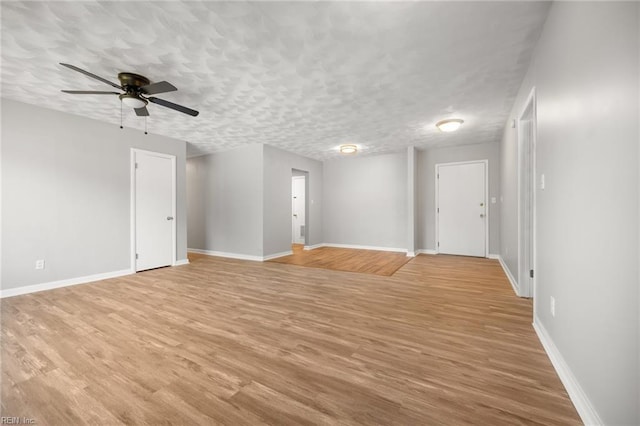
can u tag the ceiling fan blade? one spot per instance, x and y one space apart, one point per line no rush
88 74
173 106
142 112
89 92
159 87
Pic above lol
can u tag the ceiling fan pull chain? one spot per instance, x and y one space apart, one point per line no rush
121 114
145 125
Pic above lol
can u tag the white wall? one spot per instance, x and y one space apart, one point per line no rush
426 184
365 200
278 165
225 201
66 194
586 71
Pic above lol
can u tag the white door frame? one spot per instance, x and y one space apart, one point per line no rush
135 151
486 196
307 205
527 285
304 207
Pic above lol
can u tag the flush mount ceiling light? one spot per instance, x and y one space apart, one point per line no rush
133 101
449 125
348 149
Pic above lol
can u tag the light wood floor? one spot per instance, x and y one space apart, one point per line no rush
341 259
442 341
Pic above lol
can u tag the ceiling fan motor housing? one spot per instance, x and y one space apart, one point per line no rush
132 82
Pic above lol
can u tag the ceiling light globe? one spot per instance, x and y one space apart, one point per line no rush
450 125
133 101
348 149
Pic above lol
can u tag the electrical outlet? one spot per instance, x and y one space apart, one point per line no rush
552 306
40 264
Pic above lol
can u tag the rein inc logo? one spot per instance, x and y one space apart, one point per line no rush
17 421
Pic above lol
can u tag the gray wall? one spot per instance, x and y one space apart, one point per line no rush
66 194
278 165
586 74
427 160
225 201
365 200
239 201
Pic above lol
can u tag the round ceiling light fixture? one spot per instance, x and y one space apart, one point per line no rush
449 125
133 101
348 149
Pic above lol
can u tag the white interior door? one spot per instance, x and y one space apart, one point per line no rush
298 209
461 208
154 210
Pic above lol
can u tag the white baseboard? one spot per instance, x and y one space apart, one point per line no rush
411 254
181 262
240 256
276 255
507 272
426 251
358 247
585 409
10 292
313 247
226 254
493 256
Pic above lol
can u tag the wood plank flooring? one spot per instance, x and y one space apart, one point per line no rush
341 259
222 341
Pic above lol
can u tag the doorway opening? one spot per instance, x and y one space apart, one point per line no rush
527 198
299 222
462 222
153 210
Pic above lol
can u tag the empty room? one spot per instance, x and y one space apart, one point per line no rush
338 213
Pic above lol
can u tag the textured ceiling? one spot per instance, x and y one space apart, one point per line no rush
304 77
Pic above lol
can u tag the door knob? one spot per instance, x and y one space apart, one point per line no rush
295 215
481 215
169 217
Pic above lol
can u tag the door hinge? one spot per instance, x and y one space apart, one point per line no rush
438 175
438 243
136 165
136 256
438 209
530 273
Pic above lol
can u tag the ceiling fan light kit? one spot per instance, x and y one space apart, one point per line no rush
133 101
137 89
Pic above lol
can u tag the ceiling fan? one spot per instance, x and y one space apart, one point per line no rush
137 89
